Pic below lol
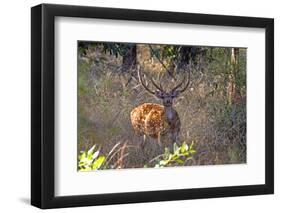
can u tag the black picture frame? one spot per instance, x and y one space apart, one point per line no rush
43 105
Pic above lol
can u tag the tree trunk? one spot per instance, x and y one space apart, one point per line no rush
129 59
234 95
185 53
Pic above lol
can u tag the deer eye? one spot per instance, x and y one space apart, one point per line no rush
175 94
159 94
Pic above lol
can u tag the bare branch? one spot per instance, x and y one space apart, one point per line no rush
168 71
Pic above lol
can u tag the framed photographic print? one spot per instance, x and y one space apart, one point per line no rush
141 106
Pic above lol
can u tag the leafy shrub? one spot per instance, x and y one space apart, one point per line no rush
179 156
92 160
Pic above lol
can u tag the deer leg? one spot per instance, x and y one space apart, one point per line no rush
143 142
176 139
158 139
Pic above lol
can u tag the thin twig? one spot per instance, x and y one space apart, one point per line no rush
161 62
120 159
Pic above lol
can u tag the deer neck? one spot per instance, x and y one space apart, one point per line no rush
169 113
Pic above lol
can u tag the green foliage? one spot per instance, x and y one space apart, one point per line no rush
90 160
170 51
179 156
116 49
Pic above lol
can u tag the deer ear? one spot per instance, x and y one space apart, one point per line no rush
159 94
175 94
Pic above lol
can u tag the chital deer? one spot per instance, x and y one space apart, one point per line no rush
154 120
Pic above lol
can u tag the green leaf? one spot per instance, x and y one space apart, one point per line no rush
192 151
175 147
86 161
95 155
82 156
91 150
163 162
170 157
191 146
167 152
179 161
98 162
184 147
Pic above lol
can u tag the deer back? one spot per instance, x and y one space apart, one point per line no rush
149 119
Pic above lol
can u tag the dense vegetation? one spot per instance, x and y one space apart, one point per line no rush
212 110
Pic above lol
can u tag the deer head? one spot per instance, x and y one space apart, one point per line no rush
167 97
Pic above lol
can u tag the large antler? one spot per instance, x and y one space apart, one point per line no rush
180 84
145 86
158 87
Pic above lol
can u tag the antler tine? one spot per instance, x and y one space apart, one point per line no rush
142 82
158 87
179 85
187 84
